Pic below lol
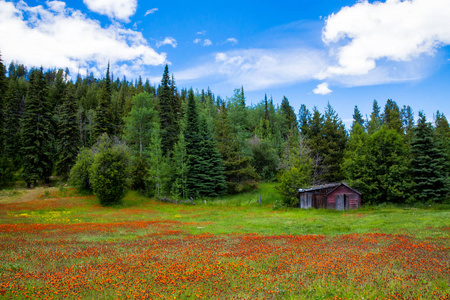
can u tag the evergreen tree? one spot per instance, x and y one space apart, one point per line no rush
205 169
3 89
428 164
167 112
103 122
14 106
357 117
68 137
238 114
375 119
391 117
36 128
289 120
180 168
355 158
332 146
239 173
304 119
315 142
443 135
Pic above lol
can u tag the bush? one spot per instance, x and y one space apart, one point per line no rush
79 174
108 173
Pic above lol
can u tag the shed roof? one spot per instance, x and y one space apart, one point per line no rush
331 187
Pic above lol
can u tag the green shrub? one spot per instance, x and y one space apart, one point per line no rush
108 173
79 174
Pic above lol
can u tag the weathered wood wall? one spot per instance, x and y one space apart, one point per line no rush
352 199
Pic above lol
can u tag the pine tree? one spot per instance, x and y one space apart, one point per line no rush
332 146
14 106
167 112
354 161
3 90
428 164
103 122
391 116
289 119
304 119
36 129
205 169
180 168
375 121
68 137
315 141
357 117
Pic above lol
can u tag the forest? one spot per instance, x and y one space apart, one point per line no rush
106 135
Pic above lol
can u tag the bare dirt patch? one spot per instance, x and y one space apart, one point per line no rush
24 195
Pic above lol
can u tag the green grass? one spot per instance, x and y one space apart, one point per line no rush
282 252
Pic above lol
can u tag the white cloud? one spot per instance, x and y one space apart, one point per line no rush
366 33
207 42
232 41
150 11
204 43
259 68
114 9
203 32
322 89
167 41
62 37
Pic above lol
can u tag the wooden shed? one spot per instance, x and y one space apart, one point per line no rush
333 196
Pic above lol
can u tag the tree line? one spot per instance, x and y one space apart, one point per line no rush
105 135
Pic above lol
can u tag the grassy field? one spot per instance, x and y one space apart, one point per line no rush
58 244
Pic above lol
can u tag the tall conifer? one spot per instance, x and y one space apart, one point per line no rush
68 141
103 122
36 128
428 164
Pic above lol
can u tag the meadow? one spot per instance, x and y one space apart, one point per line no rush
58 244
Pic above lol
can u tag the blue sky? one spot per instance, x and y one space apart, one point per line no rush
313 52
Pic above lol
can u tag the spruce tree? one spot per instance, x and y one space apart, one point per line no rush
68 136
14 106
332 146
304 119
357 117
392 117
289 120
315 142
375 121
36 130
168 109
205 169
428 164
103 122
3 89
